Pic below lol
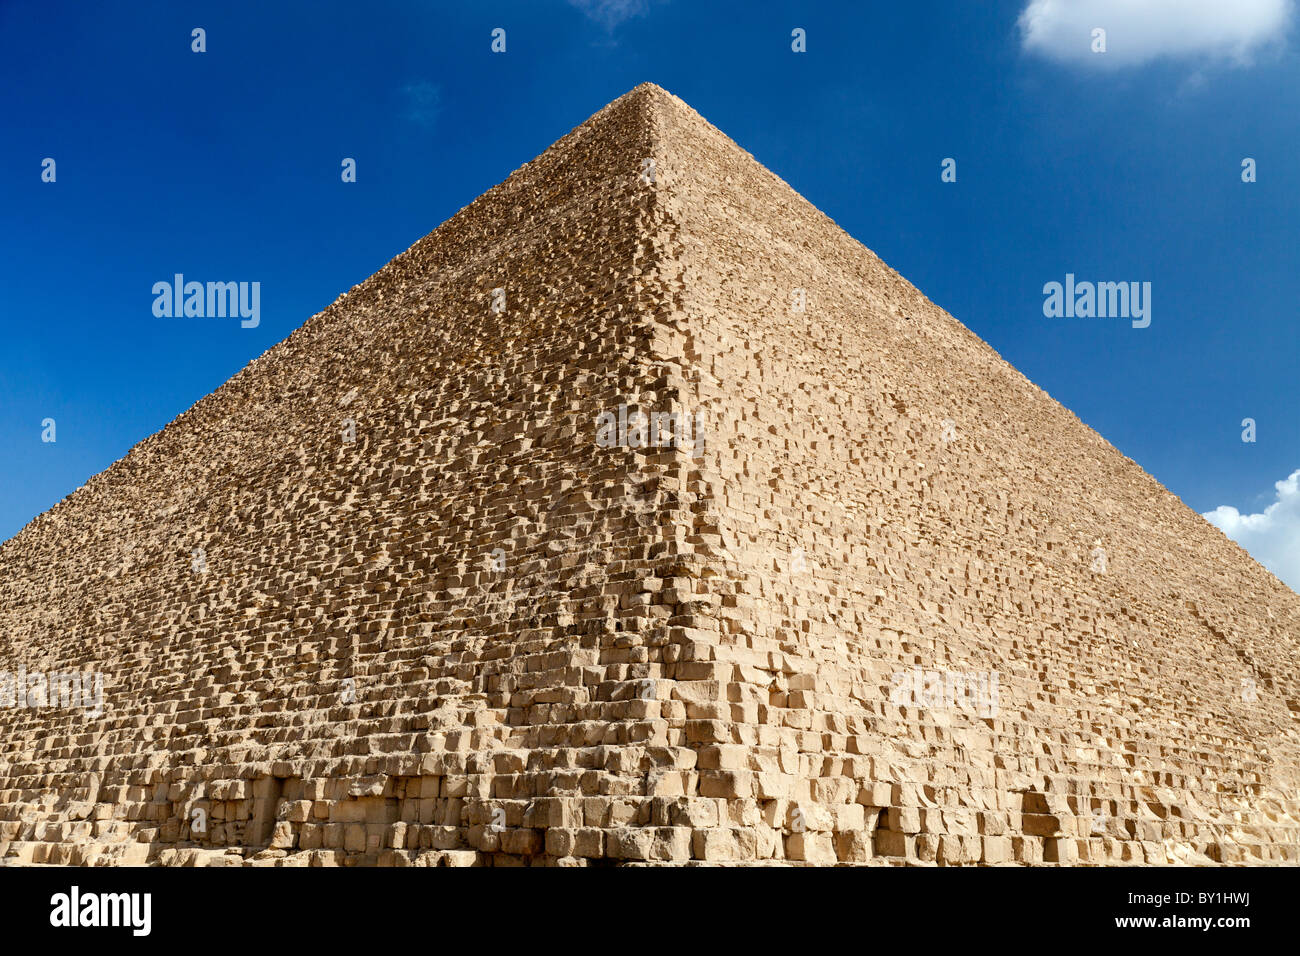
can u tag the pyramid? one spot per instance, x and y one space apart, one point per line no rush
639 514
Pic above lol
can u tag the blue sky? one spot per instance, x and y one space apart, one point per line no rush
1116 166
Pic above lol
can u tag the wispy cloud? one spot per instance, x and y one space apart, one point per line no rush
1139 31
422 102
1273 535
612 13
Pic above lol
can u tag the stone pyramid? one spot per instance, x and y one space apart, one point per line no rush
419 586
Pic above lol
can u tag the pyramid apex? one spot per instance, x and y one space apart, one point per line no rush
646 93
650 99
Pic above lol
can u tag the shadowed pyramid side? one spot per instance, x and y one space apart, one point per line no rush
384 589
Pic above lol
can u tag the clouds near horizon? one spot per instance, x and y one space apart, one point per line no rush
1272 536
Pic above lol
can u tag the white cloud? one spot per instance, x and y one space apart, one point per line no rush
1273 536
1138 31
610 13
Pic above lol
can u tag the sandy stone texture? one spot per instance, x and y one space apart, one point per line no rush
898 607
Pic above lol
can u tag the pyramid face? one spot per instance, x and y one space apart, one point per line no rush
639 514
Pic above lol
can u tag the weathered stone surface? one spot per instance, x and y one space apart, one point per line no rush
479 635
